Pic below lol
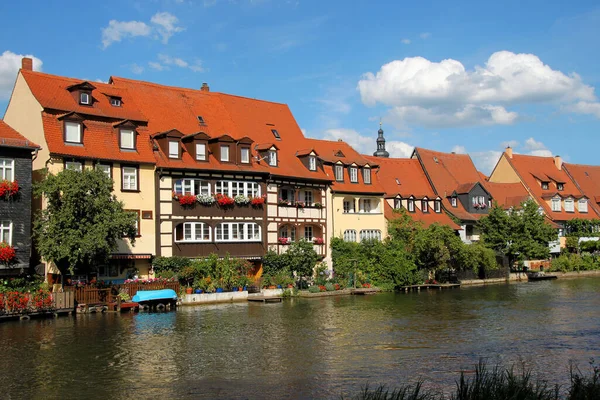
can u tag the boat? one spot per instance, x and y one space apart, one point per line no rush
540 276
156 299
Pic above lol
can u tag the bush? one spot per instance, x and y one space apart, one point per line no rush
574 262
329 287
314 289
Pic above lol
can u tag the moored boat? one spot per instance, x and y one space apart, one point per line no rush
540 276
156 299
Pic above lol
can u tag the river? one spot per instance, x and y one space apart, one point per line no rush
303 348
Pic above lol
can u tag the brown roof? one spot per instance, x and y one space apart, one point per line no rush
587 179
403 177
507 194
426 219
11 138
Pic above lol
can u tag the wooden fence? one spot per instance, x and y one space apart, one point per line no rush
90 295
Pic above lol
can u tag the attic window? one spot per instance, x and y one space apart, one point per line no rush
85 98
276 134
397 181
438 206
545 185
339 154
435 159
201 120
115 102
272 158
312 163
560 186
453 201
173 149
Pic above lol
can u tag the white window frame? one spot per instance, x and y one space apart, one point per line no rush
74 165
129 178
308 197
367 175
411 205
545 185
235 188
201 155
190 232
353 171
289 194
245 232
582 205
556 204
453 201
106 168
349 206
350 235
224 153
309 233
288 231
339 173
425 205
397 204
87 96
173 149
115 102
312 163
438 206
365 206
560 186
273 158
367 234
6 230
74 125
569 205
245 155
123 135
7 169
192 186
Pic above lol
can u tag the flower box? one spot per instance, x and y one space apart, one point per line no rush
187 200
7 253
284 240
224 201
8 189
257 201
318 241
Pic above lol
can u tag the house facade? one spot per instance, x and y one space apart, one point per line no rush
91 125
16 154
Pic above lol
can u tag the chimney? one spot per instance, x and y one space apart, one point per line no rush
27 64
508 151
558 162
205 87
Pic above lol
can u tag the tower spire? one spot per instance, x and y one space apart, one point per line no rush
381 152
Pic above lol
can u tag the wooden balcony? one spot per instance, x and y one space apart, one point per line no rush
214 210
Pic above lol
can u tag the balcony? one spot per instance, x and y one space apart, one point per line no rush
214 210
292 210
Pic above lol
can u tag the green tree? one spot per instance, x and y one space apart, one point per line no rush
436 248
82 221
301 258
496 229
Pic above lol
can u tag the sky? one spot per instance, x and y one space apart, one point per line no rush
469 77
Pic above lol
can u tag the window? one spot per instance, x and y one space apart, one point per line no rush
245 155
289 232
85 98
6 232
556 204
130 178
238 232
398 203
235 188
194 232
106 168
312 163
353 174
365 205
173 149
201 151
308 233
72 132
339 173
115 102
74 165
411 205
127 139
348 206
367 175
276 134
545 185
201 120
425 205
287 195
569 205
370 234
582 205
192 186
308 197
349 235
478 201
438 206
560 186
272 158
7 169
453 201
224 153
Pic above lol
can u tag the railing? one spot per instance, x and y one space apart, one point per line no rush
133 288
84 295
90 295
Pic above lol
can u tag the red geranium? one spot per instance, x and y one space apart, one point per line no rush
318 240
187 199
223 200
257 201
7 253
284 240
8 189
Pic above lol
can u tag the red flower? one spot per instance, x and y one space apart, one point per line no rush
8 189
187 199
322 288
318 240
257 201
284 240
7 253
223 200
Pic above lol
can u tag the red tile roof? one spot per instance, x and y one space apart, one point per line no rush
402 176
329 152
425 218
11 138
507 195
528 167
587 179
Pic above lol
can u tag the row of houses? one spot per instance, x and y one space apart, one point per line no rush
208 172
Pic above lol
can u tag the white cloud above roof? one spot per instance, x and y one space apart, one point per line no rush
10 63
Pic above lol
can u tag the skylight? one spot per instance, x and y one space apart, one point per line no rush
201 120
276 134
397 181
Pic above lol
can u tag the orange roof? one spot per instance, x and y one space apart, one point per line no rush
11 138
426 219
507 194
402 176
336 152
530 167
587 179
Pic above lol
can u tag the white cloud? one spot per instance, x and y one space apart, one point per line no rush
157 66
166 25
137 69
536 148
100 80
366 145
510 143
425 35
459 149
445 93
166 61
117 30
485 161
405 41
10 63
584 107
398 149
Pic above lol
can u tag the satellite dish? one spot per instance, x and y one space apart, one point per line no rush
40 269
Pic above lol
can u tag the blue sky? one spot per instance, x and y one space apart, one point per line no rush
462 76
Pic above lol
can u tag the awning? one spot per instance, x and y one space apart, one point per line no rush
130 256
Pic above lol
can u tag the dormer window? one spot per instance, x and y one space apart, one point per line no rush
453 201
556 204
173 149
201 151
411 205
312 163
353 174
72 132
425 206
582 205
545 185
276 134
438 206
225 153
397 204
127 139
560 186
201 120
569 205
367 175
272 158
339 173
85 98
245 155
115 102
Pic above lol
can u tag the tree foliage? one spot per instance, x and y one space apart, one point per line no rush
82 221
301 258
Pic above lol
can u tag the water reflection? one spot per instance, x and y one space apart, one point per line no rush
303 347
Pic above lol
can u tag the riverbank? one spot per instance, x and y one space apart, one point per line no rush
521 276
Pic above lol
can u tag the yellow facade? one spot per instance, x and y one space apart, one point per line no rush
504 172
340 221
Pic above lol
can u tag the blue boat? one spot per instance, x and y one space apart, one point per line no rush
156 299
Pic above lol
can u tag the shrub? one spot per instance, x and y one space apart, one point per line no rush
314 289
329 287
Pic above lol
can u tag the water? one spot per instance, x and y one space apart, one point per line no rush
303 348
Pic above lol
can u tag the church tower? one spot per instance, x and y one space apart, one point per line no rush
381 144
